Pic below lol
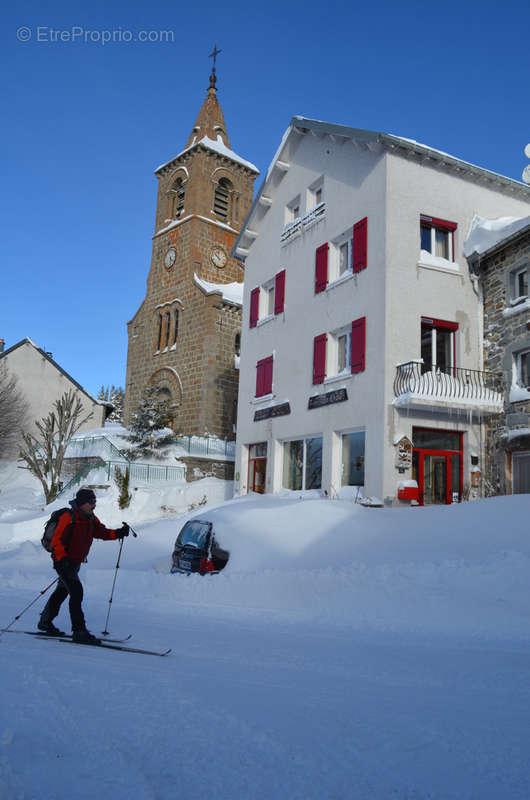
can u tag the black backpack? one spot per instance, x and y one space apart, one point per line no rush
51 524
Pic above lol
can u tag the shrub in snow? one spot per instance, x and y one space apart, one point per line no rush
44 456
150 423
121 480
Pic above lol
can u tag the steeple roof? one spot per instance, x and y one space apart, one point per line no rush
210 121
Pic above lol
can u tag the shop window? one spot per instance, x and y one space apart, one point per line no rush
302 464
353 459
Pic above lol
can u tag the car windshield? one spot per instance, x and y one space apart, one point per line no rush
194 533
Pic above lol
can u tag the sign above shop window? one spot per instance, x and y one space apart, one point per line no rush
319 400
272 411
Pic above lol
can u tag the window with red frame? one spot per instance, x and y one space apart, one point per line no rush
264 376
438 345
438 236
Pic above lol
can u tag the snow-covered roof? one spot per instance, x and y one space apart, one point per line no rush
374 140
232 293
218 146
486 234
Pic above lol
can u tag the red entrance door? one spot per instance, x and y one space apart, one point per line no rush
439 476
257 467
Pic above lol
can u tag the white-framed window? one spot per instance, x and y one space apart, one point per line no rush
338 359
302 464
266 299
437 237
315 193
340 257
519 284
522 369
293 210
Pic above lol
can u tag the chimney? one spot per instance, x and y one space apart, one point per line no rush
2 343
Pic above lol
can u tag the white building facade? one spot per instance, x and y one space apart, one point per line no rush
361 355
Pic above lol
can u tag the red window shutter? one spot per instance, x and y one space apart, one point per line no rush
254 307
264 376
259 379
358 345
267 375
321 268
360 245
279 292
319 358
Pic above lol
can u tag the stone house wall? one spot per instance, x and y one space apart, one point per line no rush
506 332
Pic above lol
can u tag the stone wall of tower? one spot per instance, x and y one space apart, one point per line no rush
198 368
197 365
201 169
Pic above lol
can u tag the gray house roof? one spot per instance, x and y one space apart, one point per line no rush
372 140
57 366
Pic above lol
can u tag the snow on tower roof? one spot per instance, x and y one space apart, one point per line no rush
218 146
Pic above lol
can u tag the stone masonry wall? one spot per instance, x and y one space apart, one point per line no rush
504 335
196 366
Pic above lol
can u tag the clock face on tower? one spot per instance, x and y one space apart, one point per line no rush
170 257
218 257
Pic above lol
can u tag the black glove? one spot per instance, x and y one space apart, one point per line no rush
123 531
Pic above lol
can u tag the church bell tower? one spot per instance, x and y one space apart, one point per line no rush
185 336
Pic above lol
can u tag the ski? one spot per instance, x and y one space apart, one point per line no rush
105 646
42 635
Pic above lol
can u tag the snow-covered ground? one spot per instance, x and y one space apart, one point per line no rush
345 652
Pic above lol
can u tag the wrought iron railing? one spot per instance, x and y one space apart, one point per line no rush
451 384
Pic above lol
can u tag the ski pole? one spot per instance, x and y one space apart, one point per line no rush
106 631
29 606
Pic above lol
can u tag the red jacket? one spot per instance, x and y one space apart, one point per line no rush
74 540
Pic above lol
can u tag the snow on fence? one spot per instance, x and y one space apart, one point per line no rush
147 473
208 446
93 446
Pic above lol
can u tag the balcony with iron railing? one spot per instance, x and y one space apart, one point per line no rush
416 385
297 226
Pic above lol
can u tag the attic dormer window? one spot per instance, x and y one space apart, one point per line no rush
221 202
177 193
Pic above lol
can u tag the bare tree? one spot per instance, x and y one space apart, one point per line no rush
44 455
13 414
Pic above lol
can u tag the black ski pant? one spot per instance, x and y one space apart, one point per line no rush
70 586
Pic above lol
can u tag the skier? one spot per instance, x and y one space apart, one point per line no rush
71 543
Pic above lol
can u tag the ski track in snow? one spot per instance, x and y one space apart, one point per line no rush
346 654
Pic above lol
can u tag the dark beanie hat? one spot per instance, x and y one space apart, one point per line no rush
85 496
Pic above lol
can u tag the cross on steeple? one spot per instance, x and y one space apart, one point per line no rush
214 55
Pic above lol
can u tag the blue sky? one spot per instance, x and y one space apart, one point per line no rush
86 123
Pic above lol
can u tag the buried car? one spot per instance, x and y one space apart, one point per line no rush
197 550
